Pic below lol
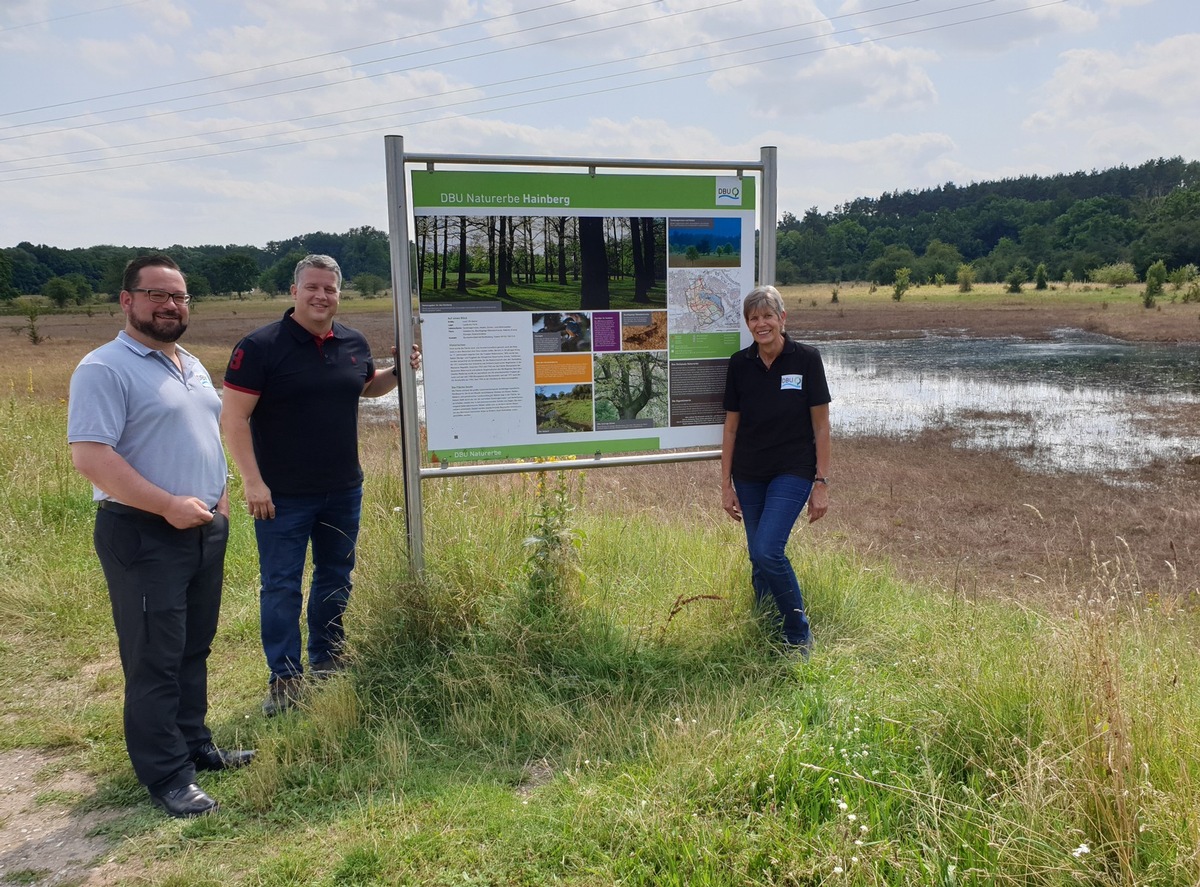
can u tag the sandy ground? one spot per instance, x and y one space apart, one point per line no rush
42 841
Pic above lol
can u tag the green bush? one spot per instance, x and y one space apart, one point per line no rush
1116 274
965 277
1015 278
1156 277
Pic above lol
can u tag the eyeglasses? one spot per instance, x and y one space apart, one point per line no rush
159 297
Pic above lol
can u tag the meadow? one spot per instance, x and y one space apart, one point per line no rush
577 693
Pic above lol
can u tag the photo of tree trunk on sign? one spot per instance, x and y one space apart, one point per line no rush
543 263
642 232
631 389
593 261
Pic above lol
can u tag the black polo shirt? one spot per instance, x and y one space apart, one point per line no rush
775 431
305 424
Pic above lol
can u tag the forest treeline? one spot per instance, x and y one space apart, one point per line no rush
1065 226
1071 223
66 274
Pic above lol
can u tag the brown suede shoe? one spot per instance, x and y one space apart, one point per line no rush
283 695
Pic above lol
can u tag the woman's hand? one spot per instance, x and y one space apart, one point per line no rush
729 502
818 502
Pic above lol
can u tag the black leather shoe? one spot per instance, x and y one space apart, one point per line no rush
185 801
209 757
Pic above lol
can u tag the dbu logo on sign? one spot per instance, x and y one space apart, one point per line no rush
729 191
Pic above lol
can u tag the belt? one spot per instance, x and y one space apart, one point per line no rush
128 510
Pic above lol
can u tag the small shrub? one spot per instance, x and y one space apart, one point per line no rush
1015 278
965 277
1156 277
901 283
1117 274
552 559
1182 276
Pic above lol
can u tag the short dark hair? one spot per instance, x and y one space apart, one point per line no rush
133 270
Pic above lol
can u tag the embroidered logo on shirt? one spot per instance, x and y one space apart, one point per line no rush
791 382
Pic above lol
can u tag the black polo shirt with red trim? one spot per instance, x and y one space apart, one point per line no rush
775 430
305 424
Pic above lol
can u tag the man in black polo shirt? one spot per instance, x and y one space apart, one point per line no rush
290 418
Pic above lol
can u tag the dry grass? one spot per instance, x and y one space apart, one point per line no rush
988 311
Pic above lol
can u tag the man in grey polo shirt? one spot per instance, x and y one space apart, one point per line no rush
143 425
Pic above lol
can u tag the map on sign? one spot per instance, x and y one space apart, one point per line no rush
703 300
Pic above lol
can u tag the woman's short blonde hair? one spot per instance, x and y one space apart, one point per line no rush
763 297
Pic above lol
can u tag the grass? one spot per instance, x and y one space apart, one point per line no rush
628 722
981 294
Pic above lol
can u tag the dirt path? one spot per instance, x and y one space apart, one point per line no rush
42 842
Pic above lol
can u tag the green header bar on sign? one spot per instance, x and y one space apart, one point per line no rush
473 192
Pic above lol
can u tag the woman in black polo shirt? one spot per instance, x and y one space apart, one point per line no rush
775 453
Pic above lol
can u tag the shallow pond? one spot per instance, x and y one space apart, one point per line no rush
1078 403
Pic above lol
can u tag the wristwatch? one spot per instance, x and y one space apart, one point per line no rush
821 480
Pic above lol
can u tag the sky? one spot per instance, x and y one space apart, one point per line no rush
158 122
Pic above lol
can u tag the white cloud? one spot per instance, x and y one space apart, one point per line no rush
825 173
869 76
1094 88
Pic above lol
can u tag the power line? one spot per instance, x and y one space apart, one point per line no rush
63 18
584 93
238 73
350 67
471 57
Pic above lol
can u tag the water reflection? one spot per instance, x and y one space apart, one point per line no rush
1080 403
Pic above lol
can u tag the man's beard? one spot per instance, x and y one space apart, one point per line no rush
165 330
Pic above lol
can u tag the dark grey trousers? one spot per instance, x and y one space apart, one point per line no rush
165 588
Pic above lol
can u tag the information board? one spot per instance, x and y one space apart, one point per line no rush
573 314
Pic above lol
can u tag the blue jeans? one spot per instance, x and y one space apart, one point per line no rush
330 521
769 511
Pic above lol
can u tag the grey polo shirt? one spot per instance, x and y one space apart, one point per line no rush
165 424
